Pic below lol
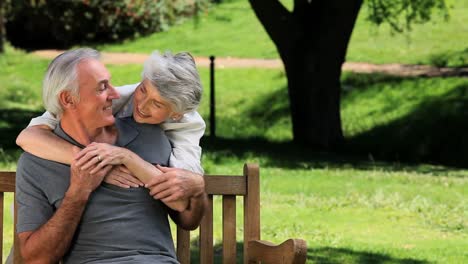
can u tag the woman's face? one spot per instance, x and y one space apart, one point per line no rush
148 105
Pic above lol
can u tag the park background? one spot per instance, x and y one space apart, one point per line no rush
395 193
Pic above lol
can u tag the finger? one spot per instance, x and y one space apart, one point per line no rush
117 183
124 169
99 166
85 151
155 181
172 198
128 180
92 162
87 157
134 181
164 169
76 150
159 188
162 195
107 169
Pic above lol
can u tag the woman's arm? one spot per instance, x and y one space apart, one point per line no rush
36 139
185 135
112 155
175 184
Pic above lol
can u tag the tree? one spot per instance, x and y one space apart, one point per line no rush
312 41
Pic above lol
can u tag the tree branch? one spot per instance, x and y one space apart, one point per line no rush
276 20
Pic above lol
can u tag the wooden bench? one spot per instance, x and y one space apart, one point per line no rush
254 251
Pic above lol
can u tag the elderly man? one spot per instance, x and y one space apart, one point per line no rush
68 213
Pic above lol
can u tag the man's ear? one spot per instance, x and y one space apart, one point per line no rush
67 100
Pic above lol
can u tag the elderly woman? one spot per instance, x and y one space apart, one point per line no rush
169 93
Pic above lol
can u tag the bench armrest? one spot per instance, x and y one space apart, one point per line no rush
291 251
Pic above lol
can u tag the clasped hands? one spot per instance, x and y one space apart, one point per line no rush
166 184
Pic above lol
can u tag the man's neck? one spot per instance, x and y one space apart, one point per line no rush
77 130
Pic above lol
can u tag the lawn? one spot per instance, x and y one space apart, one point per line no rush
232 29
351 208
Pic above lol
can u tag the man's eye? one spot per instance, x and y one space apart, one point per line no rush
103 87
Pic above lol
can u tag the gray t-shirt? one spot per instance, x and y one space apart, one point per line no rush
118 225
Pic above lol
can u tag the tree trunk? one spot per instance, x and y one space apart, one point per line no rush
312 42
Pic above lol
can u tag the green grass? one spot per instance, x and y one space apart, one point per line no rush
349 208
232 29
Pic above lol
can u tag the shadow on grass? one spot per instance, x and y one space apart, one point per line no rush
12 121
323 255
292 156
435 132
343 255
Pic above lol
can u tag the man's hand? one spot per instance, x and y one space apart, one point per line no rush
99 155
122 177
176 184
83 182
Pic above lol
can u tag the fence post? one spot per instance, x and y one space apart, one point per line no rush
212 98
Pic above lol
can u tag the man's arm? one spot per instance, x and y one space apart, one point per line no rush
50 242
174 184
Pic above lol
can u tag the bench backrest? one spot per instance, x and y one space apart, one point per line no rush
246 185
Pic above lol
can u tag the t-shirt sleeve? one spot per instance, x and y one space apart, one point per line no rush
185 136
47 119
33 208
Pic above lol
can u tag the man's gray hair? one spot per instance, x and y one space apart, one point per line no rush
176 78
62 75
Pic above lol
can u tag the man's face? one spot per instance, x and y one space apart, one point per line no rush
148 105
96 94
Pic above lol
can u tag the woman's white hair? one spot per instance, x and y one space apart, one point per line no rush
62 75
176 78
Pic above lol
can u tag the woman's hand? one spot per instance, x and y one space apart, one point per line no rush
122 177
100 155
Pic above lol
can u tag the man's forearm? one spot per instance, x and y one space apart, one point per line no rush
190 219
51 241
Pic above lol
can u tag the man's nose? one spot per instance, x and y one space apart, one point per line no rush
113 93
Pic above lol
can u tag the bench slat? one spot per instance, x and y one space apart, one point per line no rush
229 229
183 246
206 234
225 185
7 181
1 226
251 207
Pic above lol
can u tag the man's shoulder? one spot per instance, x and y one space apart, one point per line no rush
30 164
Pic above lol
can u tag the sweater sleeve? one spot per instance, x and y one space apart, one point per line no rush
185 136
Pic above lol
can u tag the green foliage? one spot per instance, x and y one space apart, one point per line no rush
54 23
401 15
